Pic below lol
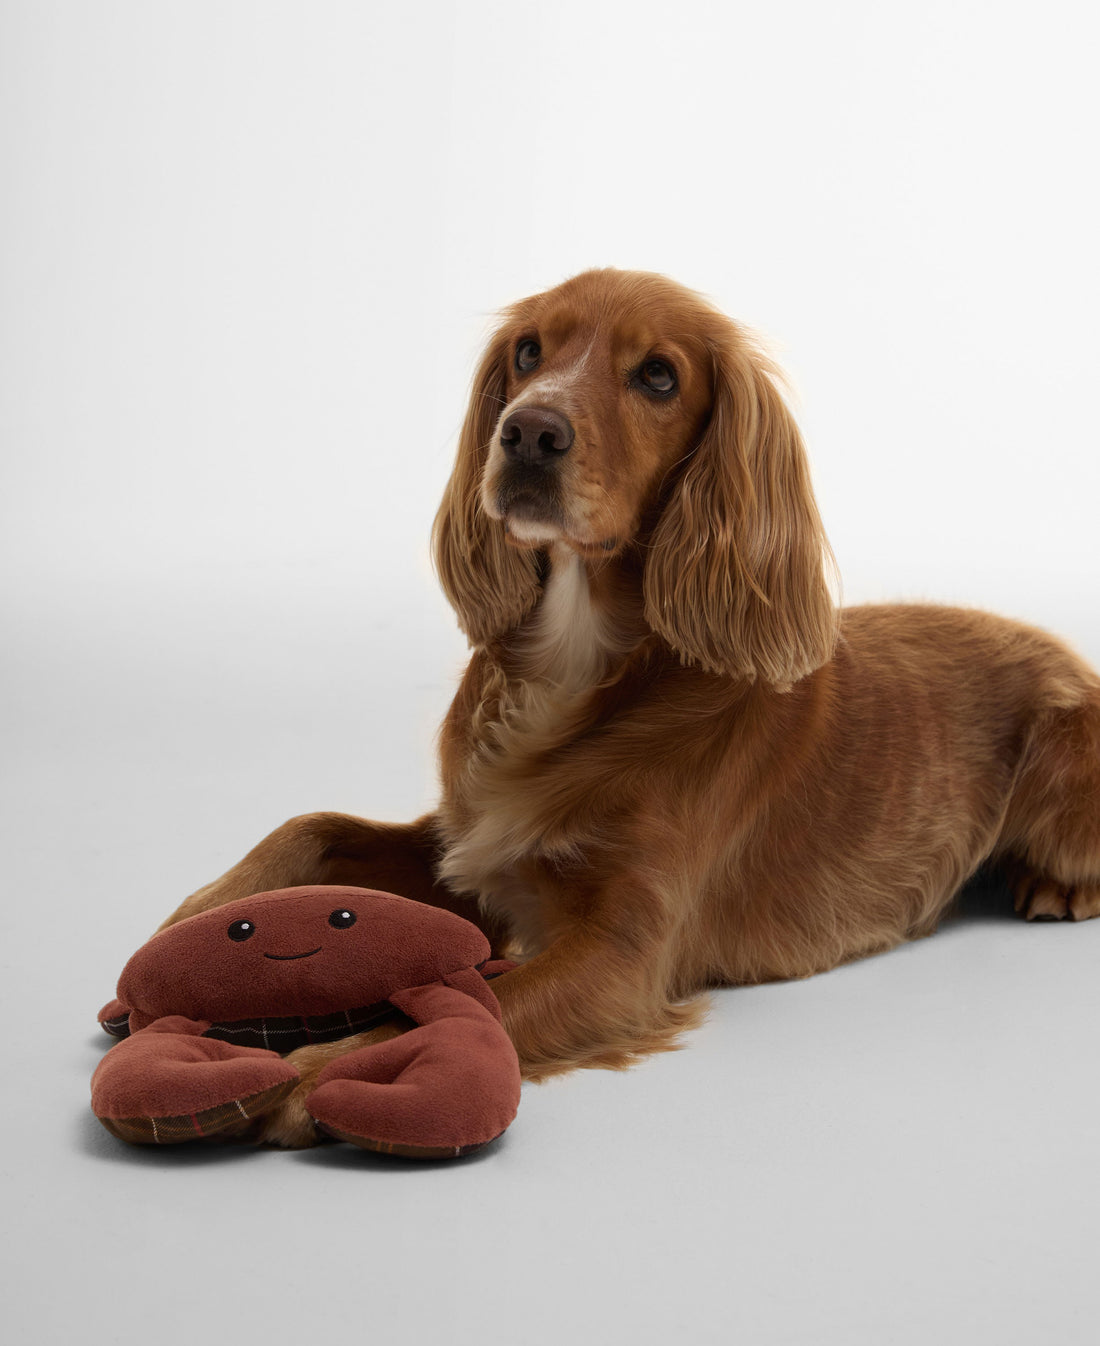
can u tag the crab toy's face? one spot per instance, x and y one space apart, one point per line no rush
300 951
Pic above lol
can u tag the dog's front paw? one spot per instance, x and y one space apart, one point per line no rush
289 1124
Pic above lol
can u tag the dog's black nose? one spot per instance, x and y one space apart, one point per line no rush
535 435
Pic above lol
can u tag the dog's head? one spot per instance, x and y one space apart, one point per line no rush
619 411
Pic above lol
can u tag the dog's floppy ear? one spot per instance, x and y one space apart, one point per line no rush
736 578
490 585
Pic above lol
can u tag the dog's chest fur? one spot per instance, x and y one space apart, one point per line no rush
509 810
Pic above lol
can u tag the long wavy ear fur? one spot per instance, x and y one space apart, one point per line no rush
737 576
490 585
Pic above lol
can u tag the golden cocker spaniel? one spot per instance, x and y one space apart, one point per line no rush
672 763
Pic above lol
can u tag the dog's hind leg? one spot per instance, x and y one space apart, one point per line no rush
1052 832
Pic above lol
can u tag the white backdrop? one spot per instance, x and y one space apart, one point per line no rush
249 253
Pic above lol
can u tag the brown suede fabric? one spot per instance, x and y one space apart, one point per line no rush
291 966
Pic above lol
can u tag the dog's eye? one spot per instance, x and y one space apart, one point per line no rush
528 354
341 919
656 377
241 930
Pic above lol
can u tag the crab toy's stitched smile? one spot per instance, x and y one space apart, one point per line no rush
286 957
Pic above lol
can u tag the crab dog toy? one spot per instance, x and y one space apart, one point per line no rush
208 1004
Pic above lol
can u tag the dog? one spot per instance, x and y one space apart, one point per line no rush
672 762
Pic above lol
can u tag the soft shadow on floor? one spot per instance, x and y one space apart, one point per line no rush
347 1157
985 897
96 1142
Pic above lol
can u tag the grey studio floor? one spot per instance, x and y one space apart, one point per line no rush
900 1151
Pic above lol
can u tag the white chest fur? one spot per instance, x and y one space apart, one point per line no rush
568 645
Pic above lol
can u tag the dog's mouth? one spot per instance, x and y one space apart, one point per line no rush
527 500
529 509
289 957
529 492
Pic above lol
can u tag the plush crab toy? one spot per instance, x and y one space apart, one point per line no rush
207 1006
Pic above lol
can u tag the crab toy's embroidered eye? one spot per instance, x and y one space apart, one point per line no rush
241 930
341 919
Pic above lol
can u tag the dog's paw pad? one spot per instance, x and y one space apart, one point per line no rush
1047 901
1084 902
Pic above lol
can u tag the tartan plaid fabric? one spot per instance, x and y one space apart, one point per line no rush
405 1151
173 1130
118 1027
284 1035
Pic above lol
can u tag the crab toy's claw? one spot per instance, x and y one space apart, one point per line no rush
168 1084
444 1089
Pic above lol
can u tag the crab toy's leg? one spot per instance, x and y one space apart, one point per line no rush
167 1083
444 1089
